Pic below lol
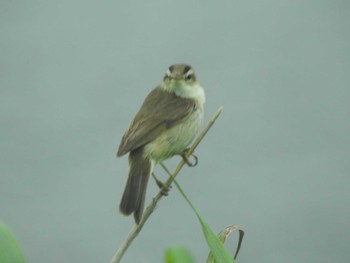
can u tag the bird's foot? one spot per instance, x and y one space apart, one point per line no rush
186 159
162 186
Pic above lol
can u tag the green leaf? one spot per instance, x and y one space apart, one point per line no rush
9 249
178 254
224 235
218 250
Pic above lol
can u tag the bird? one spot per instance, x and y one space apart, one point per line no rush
164 126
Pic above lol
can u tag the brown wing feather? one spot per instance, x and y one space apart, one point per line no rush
160 111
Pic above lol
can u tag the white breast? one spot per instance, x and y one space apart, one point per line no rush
175 140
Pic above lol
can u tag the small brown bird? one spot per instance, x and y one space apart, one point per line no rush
165 125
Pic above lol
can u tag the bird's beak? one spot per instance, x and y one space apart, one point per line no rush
176 77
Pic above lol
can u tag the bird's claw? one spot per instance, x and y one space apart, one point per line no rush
186 159
164 189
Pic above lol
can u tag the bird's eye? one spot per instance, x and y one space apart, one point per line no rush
189 77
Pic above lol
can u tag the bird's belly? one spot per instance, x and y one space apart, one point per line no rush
174 140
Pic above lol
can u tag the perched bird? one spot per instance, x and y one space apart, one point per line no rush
165 125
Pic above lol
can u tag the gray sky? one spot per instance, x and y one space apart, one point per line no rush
74 73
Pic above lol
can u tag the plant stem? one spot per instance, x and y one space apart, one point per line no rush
149 210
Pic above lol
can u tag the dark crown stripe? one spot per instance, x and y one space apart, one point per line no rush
186 68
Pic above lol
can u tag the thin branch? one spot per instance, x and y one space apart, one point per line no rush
149 210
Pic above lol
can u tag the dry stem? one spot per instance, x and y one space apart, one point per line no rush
149 210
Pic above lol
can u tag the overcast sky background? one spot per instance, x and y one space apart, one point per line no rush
277 162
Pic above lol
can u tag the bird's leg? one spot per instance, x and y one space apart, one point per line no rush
162 186
186 159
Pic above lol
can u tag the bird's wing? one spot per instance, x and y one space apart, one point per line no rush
160 111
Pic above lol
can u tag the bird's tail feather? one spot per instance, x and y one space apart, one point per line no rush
133 199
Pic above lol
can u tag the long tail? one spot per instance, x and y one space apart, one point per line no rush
133 199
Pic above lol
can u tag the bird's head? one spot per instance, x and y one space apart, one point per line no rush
181 80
